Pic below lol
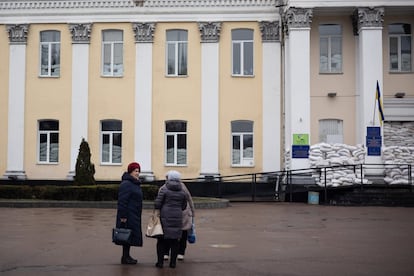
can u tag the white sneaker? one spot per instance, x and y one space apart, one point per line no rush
166 257
180 257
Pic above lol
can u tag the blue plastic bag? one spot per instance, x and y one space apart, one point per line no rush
191 237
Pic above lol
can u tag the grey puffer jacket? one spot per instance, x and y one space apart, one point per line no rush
171 201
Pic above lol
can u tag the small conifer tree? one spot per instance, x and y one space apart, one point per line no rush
85 170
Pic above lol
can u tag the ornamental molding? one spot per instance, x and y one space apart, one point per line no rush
144 32
367 18
270 31
209 31
111 4
81 33
298 18
18 33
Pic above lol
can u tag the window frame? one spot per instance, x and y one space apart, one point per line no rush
112 54
399 39
241 134
323 137
178 46
330 37
175 136
48 133
110 134
242 43
50 48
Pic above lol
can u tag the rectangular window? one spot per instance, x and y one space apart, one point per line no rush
242 139
330 59
177 41
331 131
242 48
111 137
50 53
400 47
48 147
112 53
176 143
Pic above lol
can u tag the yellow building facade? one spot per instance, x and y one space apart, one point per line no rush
210 88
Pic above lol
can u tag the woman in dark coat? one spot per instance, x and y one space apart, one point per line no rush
171 201
130 209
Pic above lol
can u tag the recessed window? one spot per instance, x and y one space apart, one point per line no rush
331 131
111 142
242 143
48 141
177 41
50 53
330 39
242 48
400 47
176 143
112 53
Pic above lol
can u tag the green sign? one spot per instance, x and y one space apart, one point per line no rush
300 139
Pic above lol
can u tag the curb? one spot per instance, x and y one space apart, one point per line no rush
205 203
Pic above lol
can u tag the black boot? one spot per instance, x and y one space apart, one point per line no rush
160 253
126 258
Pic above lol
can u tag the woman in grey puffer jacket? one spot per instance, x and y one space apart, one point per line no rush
171 201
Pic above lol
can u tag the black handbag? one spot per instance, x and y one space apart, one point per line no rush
121 236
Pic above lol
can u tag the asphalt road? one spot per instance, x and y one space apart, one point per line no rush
243 239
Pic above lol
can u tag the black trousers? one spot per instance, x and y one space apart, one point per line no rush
182 244
163 245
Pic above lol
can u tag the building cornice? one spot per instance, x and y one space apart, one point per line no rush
87 11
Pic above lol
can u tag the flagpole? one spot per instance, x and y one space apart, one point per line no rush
375 107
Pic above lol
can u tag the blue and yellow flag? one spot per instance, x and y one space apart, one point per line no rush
379 101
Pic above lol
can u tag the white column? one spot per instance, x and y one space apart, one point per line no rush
271 96
298 79
371 70
80 91
16 107
143 97
209 99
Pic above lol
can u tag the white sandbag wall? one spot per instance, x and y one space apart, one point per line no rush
399 134
396 160
324 155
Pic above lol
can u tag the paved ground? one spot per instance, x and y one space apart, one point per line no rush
243 239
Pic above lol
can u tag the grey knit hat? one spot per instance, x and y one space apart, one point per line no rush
174 175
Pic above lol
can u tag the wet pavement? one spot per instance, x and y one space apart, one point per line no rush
243 239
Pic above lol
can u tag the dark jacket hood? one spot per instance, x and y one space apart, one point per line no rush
173 185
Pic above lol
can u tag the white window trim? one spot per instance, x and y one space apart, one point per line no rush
241 57
111 146
399 36
112 44
244 161
175 135
49 52
48 133
330 37
176 47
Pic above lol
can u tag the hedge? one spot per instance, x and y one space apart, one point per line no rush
84 193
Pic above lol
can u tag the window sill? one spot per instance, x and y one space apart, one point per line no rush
111 164
242 76
400 72
331 73
176 76
175 165
110 77
49 77
47 163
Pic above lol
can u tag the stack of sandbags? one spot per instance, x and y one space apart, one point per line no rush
324 155
397 160
399 134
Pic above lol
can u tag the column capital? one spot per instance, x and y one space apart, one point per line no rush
298 18
81 33
18 33
144 32
367 17
270 31
209 31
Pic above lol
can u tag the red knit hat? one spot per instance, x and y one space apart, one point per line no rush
133 166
